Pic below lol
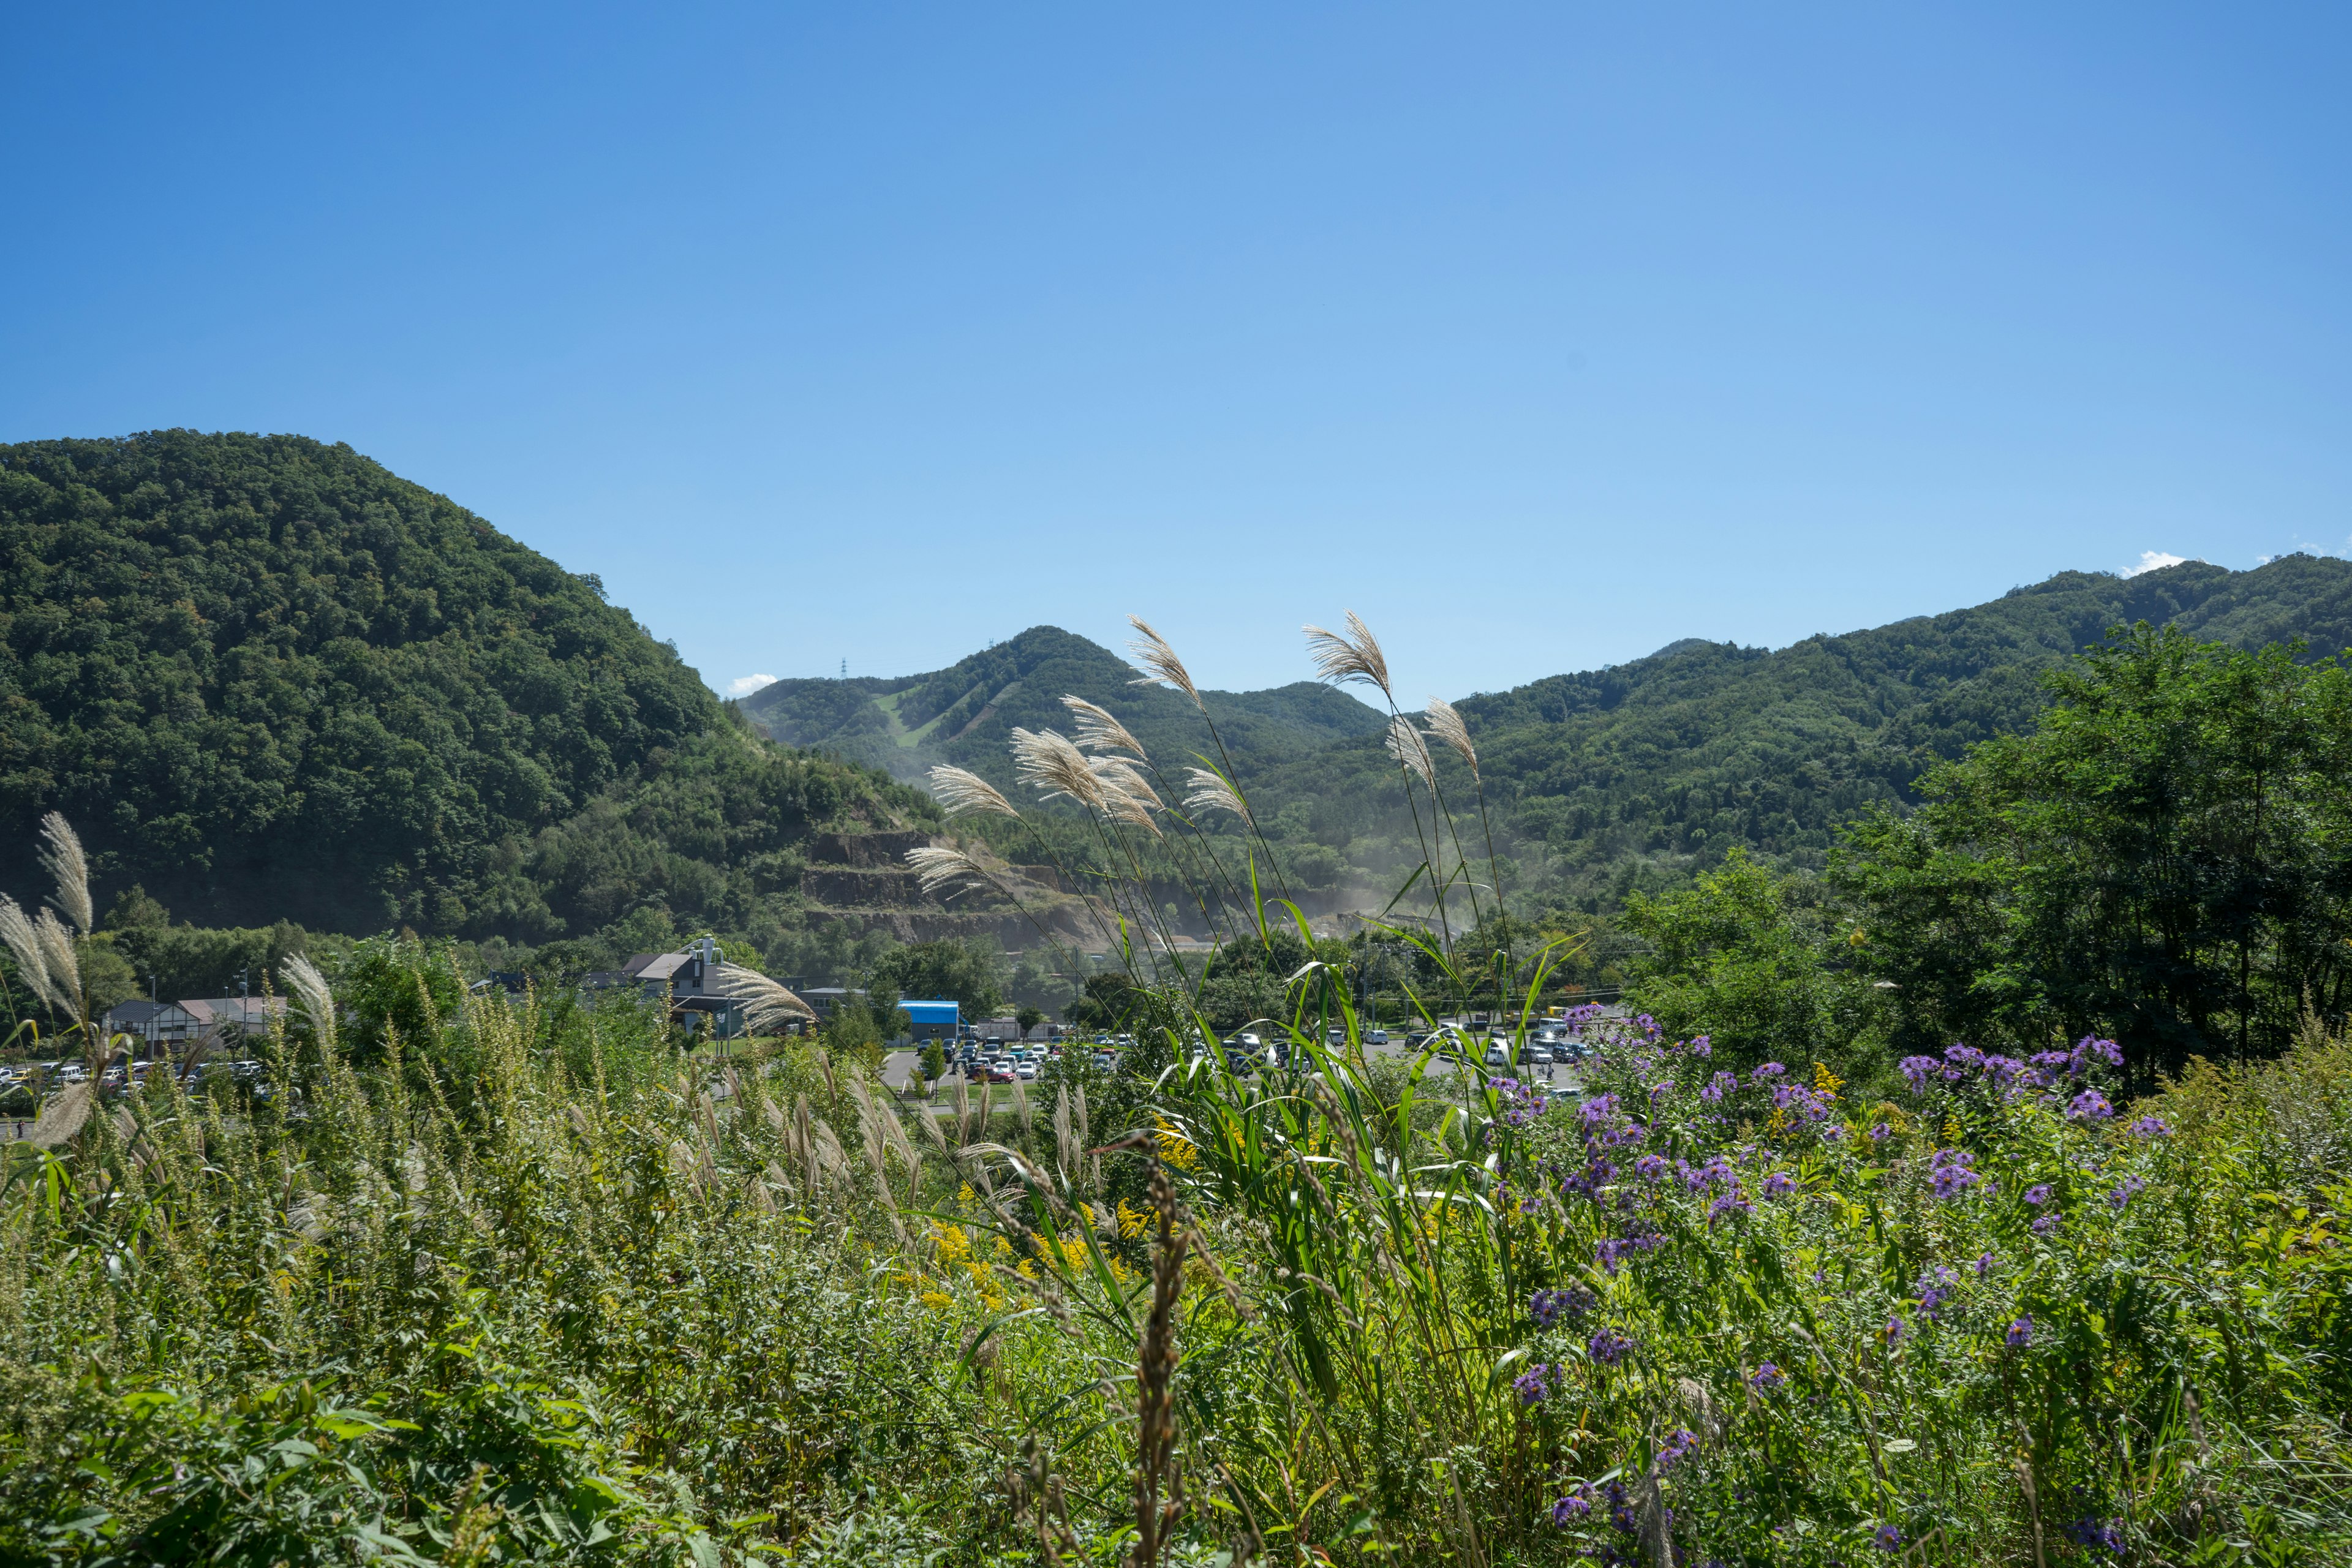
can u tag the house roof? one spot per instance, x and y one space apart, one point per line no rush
661 965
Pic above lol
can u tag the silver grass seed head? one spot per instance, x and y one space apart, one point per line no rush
58 950
1151 651
965 794
309 989
1354 655
1211 793
1127 796
1445 725
1045 759
765 1002
17 930
936 866
1405 744
62 854
1099 730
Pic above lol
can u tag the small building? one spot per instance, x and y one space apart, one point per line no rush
232 1019
150 1023
933 1021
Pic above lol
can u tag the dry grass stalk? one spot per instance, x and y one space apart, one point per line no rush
1354 655
765 1002
1211 792
962 792
1445 725
1155 1379
1405 744
1151 651
1099 731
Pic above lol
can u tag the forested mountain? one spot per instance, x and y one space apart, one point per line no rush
268 679
1601 778
1598 781
965 713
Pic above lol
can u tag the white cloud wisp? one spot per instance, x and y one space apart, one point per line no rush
2155 561
744 685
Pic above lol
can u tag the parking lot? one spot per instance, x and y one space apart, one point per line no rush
1547 1056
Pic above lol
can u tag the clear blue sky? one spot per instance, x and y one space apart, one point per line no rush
1540 336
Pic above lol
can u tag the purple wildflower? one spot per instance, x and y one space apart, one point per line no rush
1919 1070
1722 1083
2099 1534
2089 1050
1888 1538
1777 1183
1770 1069
1984 1264
1894 1330
1881 1133
1680 1444
1608 1348
2021 1334
1599 1109
2046 1224
2038 1193
2151 1127
1951 1181
1652 1167
1731 1203
1548 1307
2089 1106
1534 1385
1703 1047
1575 1506
2124 1194
1766 1378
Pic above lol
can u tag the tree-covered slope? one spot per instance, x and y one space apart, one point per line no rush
267 678
1701 746
965 713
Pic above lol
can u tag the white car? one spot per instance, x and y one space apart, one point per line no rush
1376 1037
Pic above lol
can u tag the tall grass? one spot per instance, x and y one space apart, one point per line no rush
521 1284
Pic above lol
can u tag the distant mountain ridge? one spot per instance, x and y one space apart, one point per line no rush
965 715
1600 780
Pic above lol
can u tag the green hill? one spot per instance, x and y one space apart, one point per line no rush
1637 772
965 713
266 678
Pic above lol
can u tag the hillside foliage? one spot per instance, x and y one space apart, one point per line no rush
274 682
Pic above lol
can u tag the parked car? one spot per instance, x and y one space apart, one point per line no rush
1376 1037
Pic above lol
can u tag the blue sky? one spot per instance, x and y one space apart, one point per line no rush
1540 336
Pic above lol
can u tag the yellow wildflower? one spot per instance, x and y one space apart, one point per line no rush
1827 1082
1121 1272
1952 1133
1132 1223
966 1196
1074 1253
938 1300
953 1244
1003 1247
1174 1147
1026 1268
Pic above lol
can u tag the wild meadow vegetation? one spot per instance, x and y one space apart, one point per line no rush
463 1278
